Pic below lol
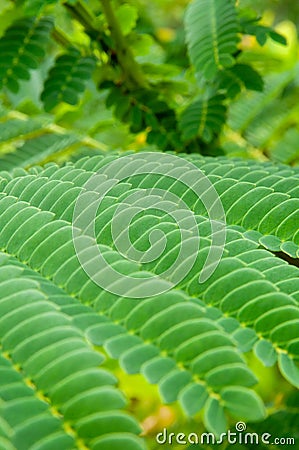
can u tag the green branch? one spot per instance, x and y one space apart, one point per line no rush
84 15
130 67
61 38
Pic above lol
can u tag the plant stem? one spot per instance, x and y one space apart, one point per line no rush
84 15
130 67
61 38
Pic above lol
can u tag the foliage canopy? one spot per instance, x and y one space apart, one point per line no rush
212 82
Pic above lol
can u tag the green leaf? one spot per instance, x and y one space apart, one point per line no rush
67 79
193 398
33 7
189 340
212 34
155 369
230 374
238 78
203 118
92 401
253 27
265 352
289 369
24 41
127 16
213 358
171 384
117 442
133 359
243 404
214 417
245 338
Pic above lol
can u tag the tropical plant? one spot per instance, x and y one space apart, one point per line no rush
79 82
100 57
192 341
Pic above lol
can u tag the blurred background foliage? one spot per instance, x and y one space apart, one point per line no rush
77 99
81 87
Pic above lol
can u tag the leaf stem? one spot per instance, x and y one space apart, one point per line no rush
130 67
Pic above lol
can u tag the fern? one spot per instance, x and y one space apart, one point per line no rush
191 341
212 34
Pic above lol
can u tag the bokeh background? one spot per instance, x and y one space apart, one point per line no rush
261 125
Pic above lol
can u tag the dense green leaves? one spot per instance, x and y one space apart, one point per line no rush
74 75
22 48
107 58
286 150
50 373
238 78
191 341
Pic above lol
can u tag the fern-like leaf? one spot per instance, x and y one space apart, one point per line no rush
252 27
36 150
287 149
67 79
22 48
189 341
246 109
203 118
212 34
26 140
64 400
238 78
